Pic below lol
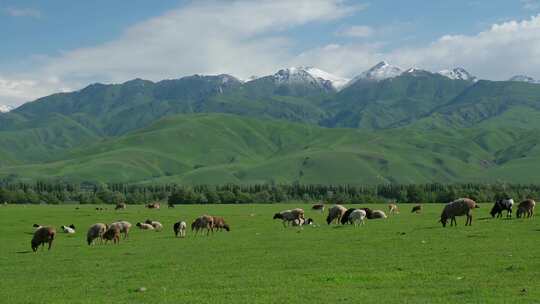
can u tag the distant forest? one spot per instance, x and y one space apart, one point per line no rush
90 193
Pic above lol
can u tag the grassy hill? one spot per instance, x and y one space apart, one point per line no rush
220 148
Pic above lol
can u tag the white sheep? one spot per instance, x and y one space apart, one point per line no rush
357 216
157 225
145 226
180 229
95 231
68 229
123 227
378 214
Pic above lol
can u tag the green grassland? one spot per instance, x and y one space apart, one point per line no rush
408 258
224 148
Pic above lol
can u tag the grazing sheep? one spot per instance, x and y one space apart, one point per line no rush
153 206
287 216
417 209
41 236
318 207
203 222
145 226
357 216
526 208
120 206
393 209
95 231
369 213
157 225
112 234
68 229
219 223
170 205
302 222
459 207
378 214
500 205
335 213
180 228
345 217
123 227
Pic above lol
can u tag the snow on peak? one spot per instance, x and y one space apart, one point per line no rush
310 75
458 74
5 108
524 78
382 70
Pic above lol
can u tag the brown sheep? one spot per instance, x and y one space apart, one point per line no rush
203 222
318 207
123 227
120 206
41 236
335 213
526 208
219 223
417 209
112 234
153 206
393 209
288 216
95 231
459 207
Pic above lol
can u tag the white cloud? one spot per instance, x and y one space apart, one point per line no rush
504 50
23 12
242 38
356 31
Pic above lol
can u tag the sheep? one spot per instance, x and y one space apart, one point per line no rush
459 207
357 216
145 226
41 236
153 206
335 213
95 231
68 229
378 214
123 227
369 213
417 209
112 234
393 209
170 205
345 217
500 205
157 225
219 223
120 206
180 228
287 216
318 207
36 226
526 208
302 222
203 222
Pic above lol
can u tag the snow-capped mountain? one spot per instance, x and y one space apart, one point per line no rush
309 75
382 70
524 78
5 108
458 74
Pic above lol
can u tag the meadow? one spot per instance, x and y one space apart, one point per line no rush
407 258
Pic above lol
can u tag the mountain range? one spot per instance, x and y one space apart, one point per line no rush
298 125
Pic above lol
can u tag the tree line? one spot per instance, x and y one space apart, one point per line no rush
113 193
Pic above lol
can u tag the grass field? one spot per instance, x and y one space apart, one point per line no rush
407 258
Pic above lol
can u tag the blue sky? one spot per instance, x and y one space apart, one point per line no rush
63 45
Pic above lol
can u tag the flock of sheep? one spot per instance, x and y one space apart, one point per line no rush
295 217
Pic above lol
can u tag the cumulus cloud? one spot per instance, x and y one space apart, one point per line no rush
242 38
245 38
23 12
504 50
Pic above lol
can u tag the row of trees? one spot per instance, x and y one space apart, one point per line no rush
100 193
